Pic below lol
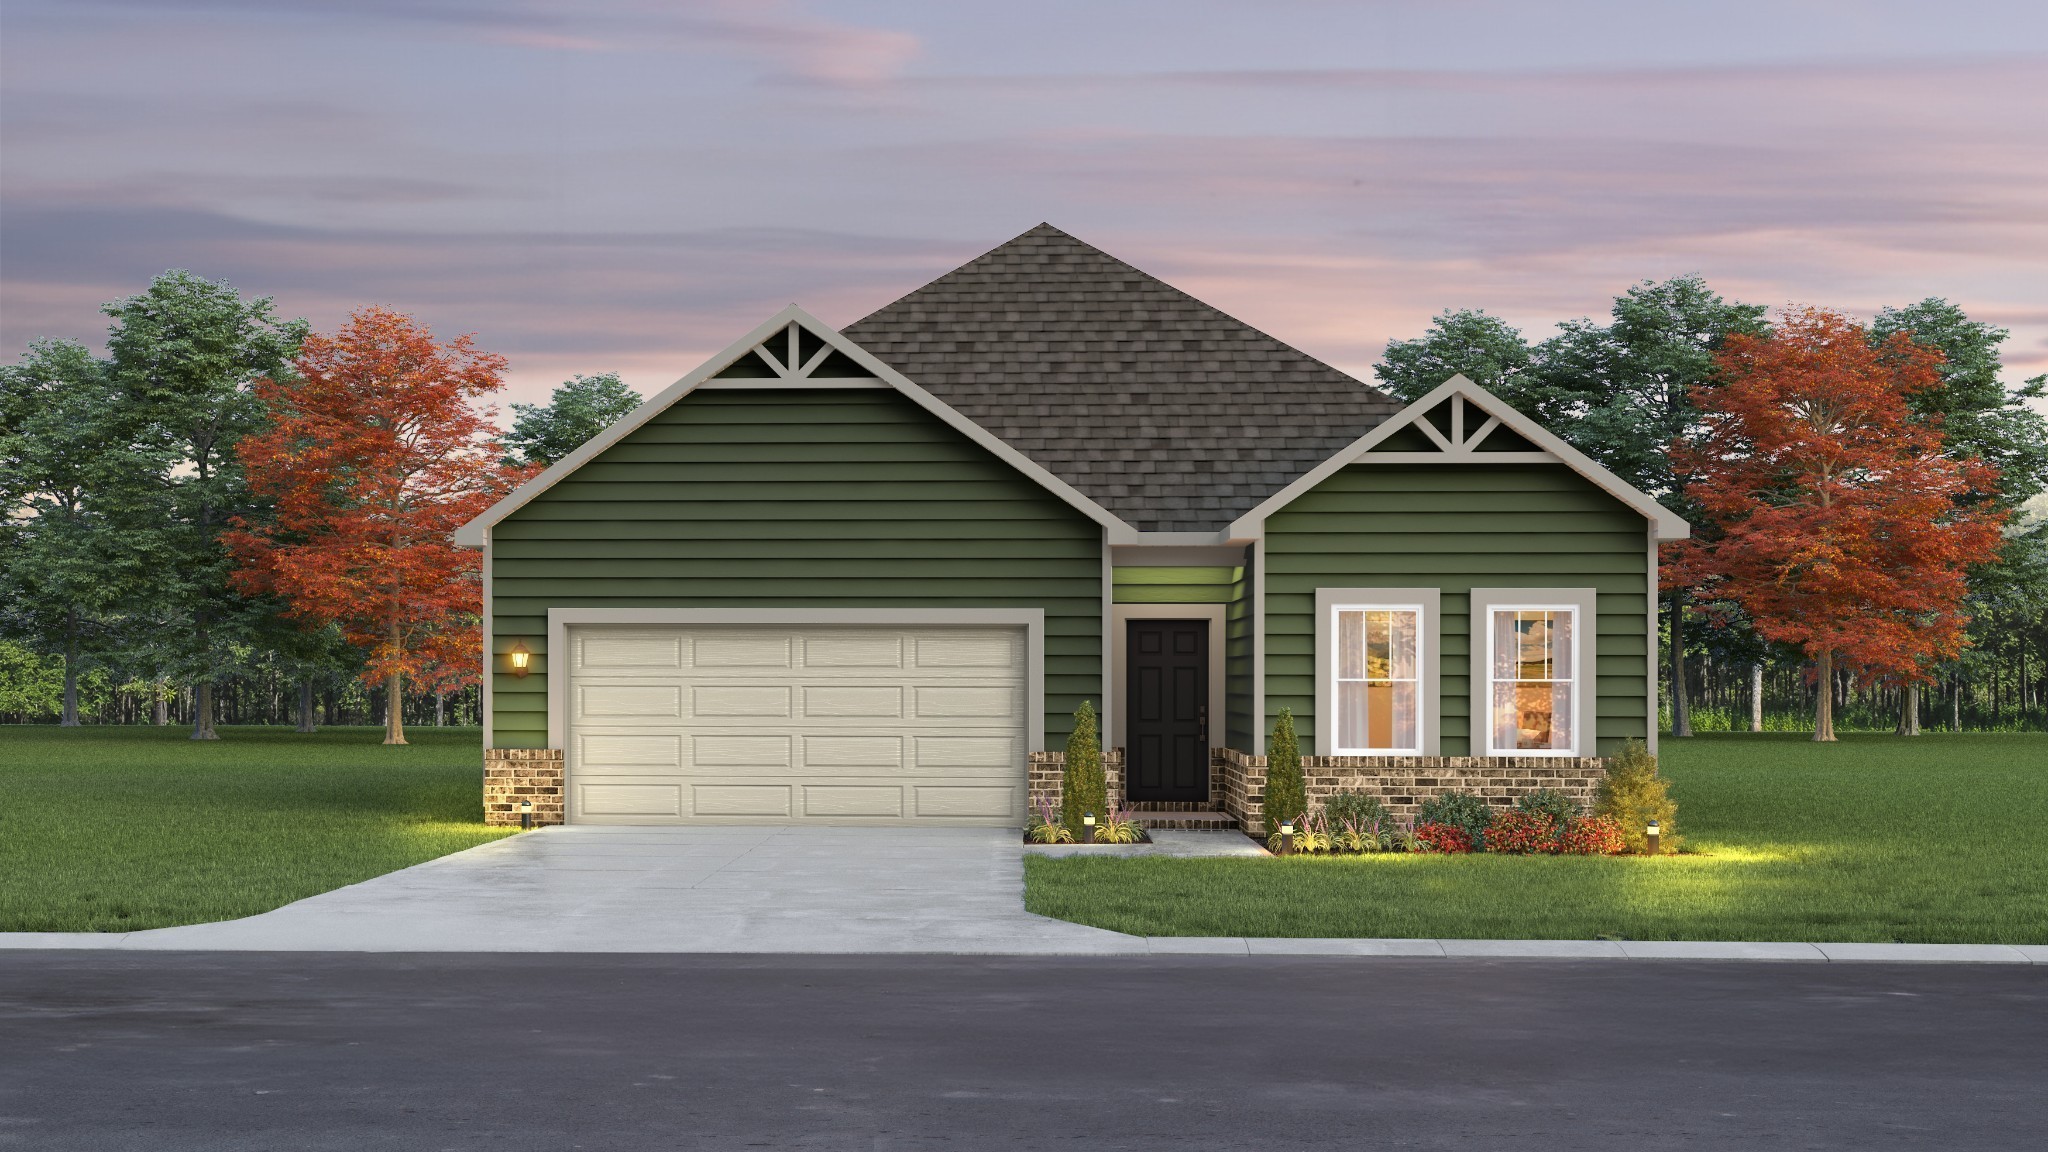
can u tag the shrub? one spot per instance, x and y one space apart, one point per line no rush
1552 803
1463 810
1634 795
1286 792
1433 837
1119 826
1357 808
1593 836
1523 833
1083 788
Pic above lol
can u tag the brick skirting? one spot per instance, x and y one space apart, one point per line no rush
512 775
1044 771
1402 783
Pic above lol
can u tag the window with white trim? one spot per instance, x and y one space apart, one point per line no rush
1378 663
1533 662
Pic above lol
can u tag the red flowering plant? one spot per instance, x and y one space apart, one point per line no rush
1444 838
1594 836
1523 833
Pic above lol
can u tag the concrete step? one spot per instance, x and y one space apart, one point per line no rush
1190 821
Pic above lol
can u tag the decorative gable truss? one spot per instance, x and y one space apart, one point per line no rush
1461 423
792 349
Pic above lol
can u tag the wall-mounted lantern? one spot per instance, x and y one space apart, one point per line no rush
521 657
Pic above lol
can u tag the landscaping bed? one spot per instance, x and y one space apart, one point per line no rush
113 829
1935 839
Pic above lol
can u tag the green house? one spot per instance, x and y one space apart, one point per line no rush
866 575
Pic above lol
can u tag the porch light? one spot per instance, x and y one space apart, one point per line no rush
520 656
1654 835
526 814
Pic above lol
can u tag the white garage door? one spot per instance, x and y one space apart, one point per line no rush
807 724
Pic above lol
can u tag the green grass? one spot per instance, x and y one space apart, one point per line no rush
1939 839
118 828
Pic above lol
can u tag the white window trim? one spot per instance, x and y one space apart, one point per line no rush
1428 669
1583 604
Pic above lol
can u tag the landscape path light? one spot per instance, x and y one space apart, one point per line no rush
1654 835
1287 839
526 814
1087 827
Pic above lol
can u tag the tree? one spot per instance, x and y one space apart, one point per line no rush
579 409
373 456
1839 525
183 356
1084 788
1286 796
1485 349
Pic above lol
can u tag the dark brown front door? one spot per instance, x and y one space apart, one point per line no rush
1166 710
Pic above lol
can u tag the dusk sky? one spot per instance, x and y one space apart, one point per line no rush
625 186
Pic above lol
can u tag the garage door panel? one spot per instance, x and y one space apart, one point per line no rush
793 724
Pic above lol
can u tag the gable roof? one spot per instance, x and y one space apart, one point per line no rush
791 349
1169 413
1459 423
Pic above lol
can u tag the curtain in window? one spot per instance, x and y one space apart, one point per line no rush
1532 679
1377 659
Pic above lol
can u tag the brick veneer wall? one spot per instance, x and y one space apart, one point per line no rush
1045 769
1402 783
515 774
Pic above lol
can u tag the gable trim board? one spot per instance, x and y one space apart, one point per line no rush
1032 620
473 534
1461 393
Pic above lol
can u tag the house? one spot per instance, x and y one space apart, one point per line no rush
868 575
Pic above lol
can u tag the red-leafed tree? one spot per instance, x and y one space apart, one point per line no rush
375 453
1834 520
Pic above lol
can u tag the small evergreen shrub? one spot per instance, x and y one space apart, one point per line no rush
1634 795
1522 833
1357 809
1552 803
1286 792
1463 810
1083 787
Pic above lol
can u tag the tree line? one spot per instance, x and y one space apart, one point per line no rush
1869 547
230 510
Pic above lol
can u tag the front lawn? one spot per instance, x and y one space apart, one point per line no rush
118 828
1940 839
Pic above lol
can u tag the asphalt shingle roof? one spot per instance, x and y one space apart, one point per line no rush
1164 410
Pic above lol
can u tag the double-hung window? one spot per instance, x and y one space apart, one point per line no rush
1378 661
1533 679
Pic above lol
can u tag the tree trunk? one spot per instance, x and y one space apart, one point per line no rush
1955 704
394 709
1824 699
70 717
1681 708
161 708
202 711
1909 711
306 706
440 709
1756 697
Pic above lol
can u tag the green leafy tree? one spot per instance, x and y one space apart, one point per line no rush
1084 787
61 570
1286 792
31 684
578 410
1484 349
183 356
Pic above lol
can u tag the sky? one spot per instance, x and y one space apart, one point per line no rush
630 185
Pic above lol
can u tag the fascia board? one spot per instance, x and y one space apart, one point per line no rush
472 534
1668 524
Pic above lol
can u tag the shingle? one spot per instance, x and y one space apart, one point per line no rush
1168 412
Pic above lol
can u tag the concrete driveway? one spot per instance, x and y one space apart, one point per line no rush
607 889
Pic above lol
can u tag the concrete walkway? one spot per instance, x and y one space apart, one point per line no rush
818 890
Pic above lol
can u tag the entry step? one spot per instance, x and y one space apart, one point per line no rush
1187 821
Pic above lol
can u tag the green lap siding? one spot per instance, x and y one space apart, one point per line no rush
1173 585
1457 528
1237 664
828 498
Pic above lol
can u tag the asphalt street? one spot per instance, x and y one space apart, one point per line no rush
273 1051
